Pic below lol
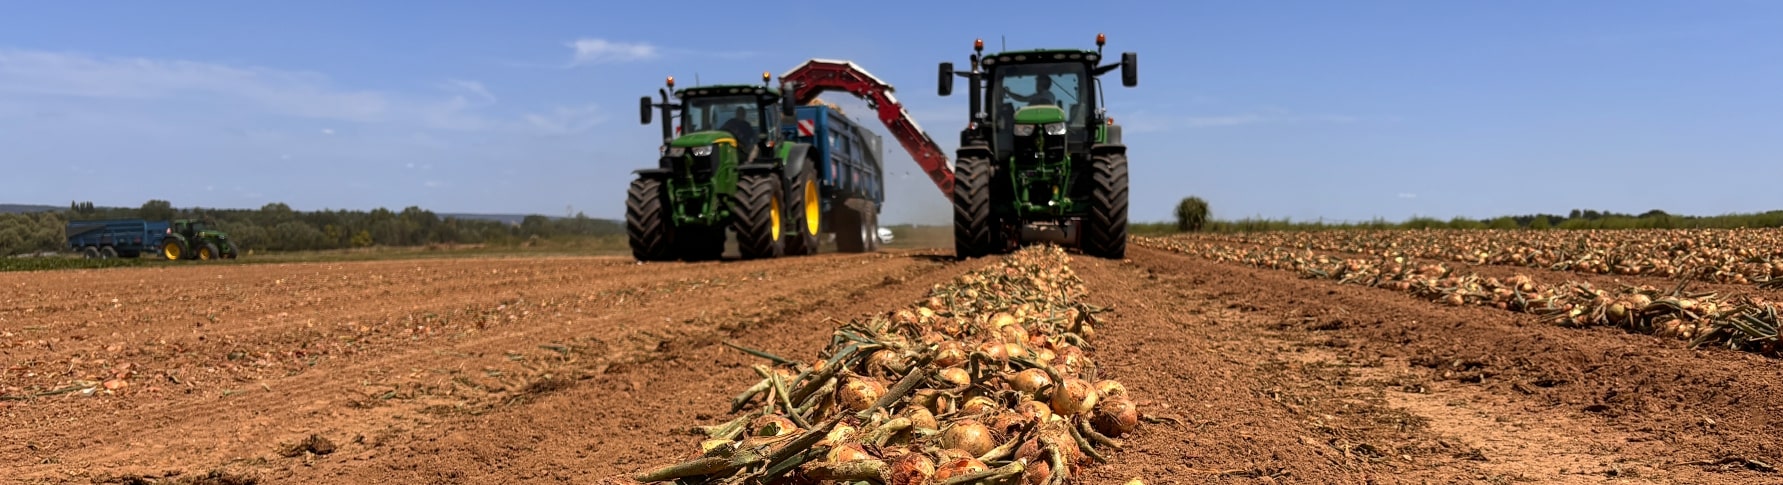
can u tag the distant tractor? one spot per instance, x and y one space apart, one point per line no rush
130 238
751 160
1039 158
728 168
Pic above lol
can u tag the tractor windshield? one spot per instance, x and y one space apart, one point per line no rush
739 115
1021 85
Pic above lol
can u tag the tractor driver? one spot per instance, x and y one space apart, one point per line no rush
1042 92
739 127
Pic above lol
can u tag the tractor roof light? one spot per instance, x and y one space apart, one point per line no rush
978 45
764 77
1101 39
671 82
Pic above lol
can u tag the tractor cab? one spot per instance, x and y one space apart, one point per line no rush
1041 93
716 124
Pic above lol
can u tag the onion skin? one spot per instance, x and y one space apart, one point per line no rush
849 452
921 418
957 467
995 351
771 426
1034 411
858 394
912 469
1109 388
969 436
1115 417
1073 397
1014 334
1030 382
955 375
949 354
978 405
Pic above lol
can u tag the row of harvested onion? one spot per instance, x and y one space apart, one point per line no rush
988 380
1730 256
1742 322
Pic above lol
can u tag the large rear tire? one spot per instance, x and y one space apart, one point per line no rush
806 214
173 249
1105 227
973 229
208 252
757 210
647 223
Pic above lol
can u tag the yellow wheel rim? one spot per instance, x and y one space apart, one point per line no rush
171 250
204 254
811 209
774 217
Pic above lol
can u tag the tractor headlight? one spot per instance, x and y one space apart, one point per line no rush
702 151
677 151
1055 129
1024 130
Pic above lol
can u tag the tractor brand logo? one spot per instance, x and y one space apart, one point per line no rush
807 127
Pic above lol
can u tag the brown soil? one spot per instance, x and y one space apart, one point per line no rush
577 369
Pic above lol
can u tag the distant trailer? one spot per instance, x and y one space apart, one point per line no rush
850 174
126 238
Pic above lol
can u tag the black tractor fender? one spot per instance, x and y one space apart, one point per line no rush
1108 149
796 158
652 173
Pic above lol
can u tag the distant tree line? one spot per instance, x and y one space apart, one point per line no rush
1193 215
277 227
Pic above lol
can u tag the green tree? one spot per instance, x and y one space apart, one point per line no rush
157 210
1191 214
1504 222
362 239
1540 222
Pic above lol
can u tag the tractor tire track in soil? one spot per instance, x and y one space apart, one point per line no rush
573 370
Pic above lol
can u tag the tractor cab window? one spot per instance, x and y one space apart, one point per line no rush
739 115
1019 86
197 227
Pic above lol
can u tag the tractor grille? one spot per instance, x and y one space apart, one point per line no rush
700 168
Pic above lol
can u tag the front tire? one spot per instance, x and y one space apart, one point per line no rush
647 223
806 215
973 229
1105 227
173 249
208 252
756 208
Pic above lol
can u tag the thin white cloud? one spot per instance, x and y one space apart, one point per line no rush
328 131
596 51
1407 195
294 93
567 120
473 88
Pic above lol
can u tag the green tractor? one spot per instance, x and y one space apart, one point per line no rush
1039 158
193 239
724 165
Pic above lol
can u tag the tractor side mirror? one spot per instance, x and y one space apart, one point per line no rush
946 80
1129 69
787 104
644 110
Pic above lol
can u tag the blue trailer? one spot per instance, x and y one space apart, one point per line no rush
127 238
850 174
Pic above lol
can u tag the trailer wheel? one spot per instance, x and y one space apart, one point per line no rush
851 229
806 216
646 222
973 230
756 208
872 233
90 252
172 249
108 252
1105 228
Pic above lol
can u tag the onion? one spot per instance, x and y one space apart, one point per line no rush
978 405
905 317
1002 320
1034 411
1071 360
1108 388
957 467
1030 381
1045 356
772 425
995 351
858 394
920 418
949 354
1015 350
884 362
934 400
1037 472
1115 417
1073 397
838 434
950 454
849 452
912 469
955 375
1014 334
1006 422
969 436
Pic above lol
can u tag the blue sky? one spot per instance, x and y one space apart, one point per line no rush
1307 109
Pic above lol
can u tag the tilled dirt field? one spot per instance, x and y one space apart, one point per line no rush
574 369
